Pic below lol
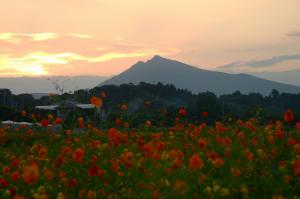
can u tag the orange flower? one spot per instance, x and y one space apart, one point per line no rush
148 103
195 162
148 123
115 167
96 101
181 187
124 107
235 172
218 162
249 155
33 116
289 116
48 174
91 194
118 122
80 122
24 113
50 117
30 174
114 137
42 153
78 155
127 159
103 95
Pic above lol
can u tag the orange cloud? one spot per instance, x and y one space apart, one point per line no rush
34 64
19 37
50 53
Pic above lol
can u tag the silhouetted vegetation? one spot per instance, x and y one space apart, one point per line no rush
159 103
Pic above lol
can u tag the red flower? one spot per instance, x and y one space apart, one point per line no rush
115 167
12 192
218 162
148 150
3 182
114 137
30 174
296 167
140 141
44 123
195 162
118 122
72 182
204 114
58 120
15 163
15 176
289 116
182 111
78 155
19 197
93 170
6 170
202 143
279 134
127 159
160 145
298 126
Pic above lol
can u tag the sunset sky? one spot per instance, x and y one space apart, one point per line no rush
105 37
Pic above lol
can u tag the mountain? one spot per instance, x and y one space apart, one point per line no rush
40 86
184 76
290 77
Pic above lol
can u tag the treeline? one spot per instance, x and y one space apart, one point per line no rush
159 103
11 105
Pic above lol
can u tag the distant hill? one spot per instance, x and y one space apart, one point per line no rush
39 95
184 76
290 77
40 86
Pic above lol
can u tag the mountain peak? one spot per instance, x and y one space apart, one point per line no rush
157 58
183 76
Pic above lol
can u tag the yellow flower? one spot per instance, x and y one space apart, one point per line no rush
244 190
260 153
91 194
225 192
60 196
216 188
208 190
167 183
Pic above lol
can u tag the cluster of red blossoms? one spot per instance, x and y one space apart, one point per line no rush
229 159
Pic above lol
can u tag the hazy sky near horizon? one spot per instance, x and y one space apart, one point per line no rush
100 37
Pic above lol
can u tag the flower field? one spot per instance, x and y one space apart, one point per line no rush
234 159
